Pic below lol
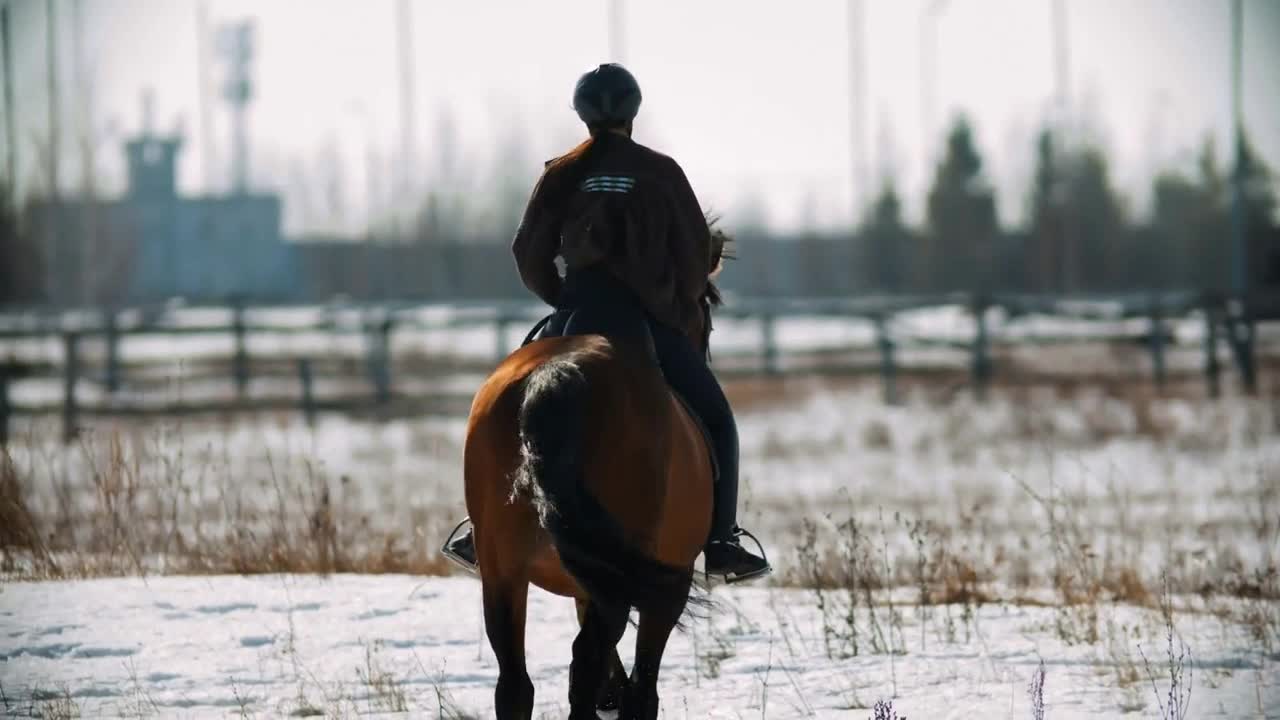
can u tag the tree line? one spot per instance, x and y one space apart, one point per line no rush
1079 237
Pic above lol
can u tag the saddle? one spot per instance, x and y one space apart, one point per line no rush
630 325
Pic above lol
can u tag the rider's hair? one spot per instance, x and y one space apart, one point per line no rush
570 169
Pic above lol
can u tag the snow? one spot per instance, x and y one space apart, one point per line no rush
1176 484
210 646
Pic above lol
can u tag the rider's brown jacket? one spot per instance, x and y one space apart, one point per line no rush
614 201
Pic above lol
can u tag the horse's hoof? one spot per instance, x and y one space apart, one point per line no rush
611 698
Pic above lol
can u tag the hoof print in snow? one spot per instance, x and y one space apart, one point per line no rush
48 652
302 607
377 613
224 609
104 652
56 630
254 641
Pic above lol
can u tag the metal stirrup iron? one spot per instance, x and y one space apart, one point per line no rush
457 559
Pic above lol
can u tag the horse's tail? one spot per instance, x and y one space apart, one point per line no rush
590 542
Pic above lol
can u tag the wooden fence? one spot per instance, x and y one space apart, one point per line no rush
377 325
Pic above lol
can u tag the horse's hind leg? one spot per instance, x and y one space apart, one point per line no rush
615 681
597 642
641 699
615 684
504 618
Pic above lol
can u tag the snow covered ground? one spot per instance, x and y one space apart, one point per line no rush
1042 492
270 646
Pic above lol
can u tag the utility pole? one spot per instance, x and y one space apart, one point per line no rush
928 79
1061 63
1242 329
1239 264
857 108
238 49
203 87
1069 259
86 259
55 131
408 118
57 272
617 32
11 143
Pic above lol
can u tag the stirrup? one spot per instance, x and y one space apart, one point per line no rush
732 579
455 557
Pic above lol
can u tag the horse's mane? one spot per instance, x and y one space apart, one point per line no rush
721 250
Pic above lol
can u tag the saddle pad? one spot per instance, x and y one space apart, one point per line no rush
553 326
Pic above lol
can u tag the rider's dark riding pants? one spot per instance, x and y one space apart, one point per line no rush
594 302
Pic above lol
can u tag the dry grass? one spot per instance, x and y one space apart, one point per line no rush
146 514
128 503
56 704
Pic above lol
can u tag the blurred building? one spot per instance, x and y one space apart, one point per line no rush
152 244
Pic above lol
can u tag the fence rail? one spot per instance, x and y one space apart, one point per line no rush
1144 320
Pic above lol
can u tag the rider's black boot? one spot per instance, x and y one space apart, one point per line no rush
724 554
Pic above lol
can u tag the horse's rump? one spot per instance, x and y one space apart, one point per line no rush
571 437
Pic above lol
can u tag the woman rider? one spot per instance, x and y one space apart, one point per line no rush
635 245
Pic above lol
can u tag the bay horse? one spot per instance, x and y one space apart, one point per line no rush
586 476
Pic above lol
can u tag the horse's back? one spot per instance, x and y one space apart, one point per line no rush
643 458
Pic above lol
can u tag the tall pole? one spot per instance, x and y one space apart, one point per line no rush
1242 329
928 79
86 259
617 32
857 108
54 112
203 87
1240 263
238 46
57 270
408 117
1061 62
1069 259
11 143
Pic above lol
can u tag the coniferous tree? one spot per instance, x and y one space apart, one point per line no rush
1078 237
961 216
21 266
1190 232
886 244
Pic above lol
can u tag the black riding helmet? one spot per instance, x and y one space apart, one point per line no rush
607 97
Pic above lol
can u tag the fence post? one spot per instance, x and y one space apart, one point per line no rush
1157 341
888 372
308 399
71 342
1241 330
500 326
1212 370
113 350
5 409
981 363
380 359
768 335
240 364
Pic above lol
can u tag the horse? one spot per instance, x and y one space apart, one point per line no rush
588 477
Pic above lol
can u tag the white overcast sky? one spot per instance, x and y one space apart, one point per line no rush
751 97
